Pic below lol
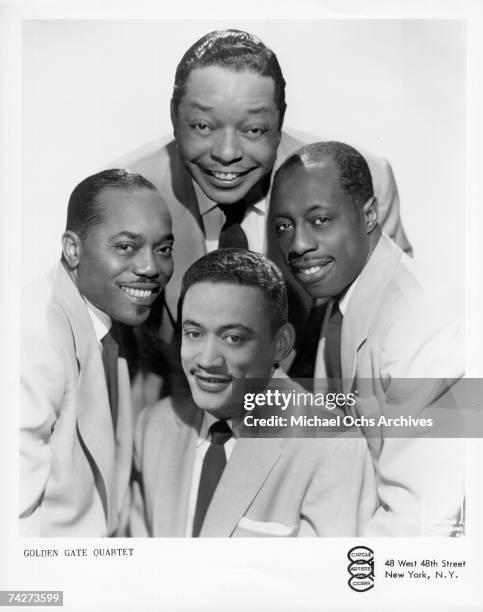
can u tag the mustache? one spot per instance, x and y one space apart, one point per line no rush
302 260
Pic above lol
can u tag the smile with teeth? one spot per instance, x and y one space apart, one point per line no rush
212 379
138 293
225 176
310 271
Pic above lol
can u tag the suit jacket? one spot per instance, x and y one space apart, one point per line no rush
74 472
402 348
270 486
160 163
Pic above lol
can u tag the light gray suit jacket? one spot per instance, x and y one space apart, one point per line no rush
270 487
74 472
402 348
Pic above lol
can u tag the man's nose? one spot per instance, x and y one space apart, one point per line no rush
146 264
227 148
303 240
209 355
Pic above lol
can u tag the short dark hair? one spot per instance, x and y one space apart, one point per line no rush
83 211
241 267
233 50
354 174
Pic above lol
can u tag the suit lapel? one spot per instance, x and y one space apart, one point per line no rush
320 370
250 463
189 241
93 421
93 412
364 303
175 470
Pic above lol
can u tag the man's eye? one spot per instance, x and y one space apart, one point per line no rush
233 339
125 247
165 250
255 132
281 228
192 333
201 127
320 220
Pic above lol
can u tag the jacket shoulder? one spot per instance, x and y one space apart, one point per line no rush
417 288
43 318
294 139
151 160
168 412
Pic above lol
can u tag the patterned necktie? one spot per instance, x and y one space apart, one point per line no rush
232 234
110 354
213 466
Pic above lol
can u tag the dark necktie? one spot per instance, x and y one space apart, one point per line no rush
303 365
332 334
213 466
232 234
110 354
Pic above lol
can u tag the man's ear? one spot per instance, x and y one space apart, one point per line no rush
369 211
71 249
279 135
284 341
174 115
281 117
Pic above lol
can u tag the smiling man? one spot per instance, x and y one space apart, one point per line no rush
227 111
198 478
388 333
76 415
247 108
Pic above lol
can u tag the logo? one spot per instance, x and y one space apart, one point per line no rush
361 568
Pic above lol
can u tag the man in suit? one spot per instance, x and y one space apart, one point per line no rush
76 415
200 476
227 112
387 333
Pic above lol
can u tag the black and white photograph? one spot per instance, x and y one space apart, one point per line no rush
245 308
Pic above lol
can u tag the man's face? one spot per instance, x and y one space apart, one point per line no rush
320 232
226 336
227 131
125 261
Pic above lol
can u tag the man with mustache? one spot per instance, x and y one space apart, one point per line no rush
387 333
227 112
199 475
76 415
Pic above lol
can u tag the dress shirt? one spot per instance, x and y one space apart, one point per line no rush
101 321
202 446
344 300
253 223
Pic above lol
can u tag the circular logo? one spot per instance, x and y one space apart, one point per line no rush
361 568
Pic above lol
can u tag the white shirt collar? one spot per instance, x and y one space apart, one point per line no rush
101 321
206 205
260 207
344 301
206 423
